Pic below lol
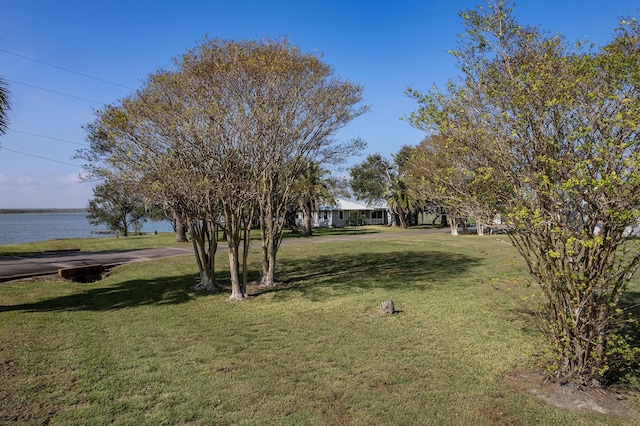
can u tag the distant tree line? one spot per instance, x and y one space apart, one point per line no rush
14 211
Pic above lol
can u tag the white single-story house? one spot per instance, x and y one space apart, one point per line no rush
339 214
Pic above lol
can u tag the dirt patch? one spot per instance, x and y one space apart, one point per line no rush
610 401
494 416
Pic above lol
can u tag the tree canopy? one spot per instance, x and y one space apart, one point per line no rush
369 179
551 131
224 135
117 208
379 179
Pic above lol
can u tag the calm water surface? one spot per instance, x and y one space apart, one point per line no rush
30 227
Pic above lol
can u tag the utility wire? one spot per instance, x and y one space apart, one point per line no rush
48 137
37 156
56 92
66 69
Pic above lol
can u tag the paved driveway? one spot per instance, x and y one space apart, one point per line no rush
30 265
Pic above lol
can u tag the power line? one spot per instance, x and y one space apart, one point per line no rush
66 69
37 156
56 92
48 137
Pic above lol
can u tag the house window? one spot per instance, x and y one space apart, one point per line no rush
341 215
376 214
325 215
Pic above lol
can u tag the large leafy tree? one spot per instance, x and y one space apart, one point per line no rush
223 136
436 172
370 179
155 138
378 179
554 129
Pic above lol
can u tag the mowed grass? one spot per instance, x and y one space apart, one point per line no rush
140 348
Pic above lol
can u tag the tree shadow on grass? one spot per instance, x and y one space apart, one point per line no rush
100 297
316 278
324 276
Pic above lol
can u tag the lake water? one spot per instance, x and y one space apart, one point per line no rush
30 227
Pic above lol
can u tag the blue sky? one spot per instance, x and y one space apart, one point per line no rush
385 46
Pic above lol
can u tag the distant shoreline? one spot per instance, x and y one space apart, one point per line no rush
14 211
33 225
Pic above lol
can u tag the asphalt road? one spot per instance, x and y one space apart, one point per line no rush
32 265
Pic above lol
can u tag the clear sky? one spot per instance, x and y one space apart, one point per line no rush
385 46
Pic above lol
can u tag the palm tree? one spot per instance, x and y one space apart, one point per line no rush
399 200
313 189
5 106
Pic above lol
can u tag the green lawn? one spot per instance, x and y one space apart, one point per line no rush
139 348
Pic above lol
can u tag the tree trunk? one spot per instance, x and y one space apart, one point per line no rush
403 219
125 226
271 237
269 276
265 265
238 291
480 226
269 252
246 240
453 224
205 245
233 231
181 235
206 283
305 205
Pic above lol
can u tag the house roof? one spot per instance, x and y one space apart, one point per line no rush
346 205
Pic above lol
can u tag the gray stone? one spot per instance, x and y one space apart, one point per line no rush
387 307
